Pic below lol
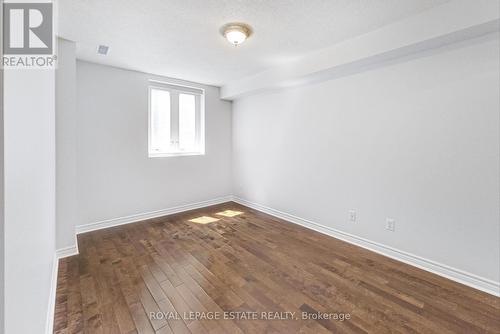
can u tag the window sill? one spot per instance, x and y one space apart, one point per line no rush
173 154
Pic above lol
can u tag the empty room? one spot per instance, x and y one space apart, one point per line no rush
250 166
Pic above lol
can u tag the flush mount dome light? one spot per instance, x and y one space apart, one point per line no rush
236 33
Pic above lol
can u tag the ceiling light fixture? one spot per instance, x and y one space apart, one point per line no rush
236 33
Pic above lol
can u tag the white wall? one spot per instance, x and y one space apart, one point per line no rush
114 176
66 208
2 212
417 141
29 152
2 190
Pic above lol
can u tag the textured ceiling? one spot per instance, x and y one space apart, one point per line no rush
181 39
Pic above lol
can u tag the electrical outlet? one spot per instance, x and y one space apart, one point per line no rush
390 224
352 216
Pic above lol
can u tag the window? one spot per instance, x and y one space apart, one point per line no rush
176 124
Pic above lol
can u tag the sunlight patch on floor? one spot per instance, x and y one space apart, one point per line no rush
204 220
229 213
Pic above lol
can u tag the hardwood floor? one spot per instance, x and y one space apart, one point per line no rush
125 276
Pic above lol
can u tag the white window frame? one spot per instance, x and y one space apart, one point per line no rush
175 90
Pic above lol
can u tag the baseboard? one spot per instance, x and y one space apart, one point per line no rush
148 215
73 250
440 269
449 272
52 296
67 251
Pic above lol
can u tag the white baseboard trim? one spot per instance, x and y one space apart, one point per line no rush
440 269
148 215
52 296
73 250
66 251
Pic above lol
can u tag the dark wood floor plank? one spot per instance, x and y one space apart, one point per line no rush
61 317
176 324
93 322
252 263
